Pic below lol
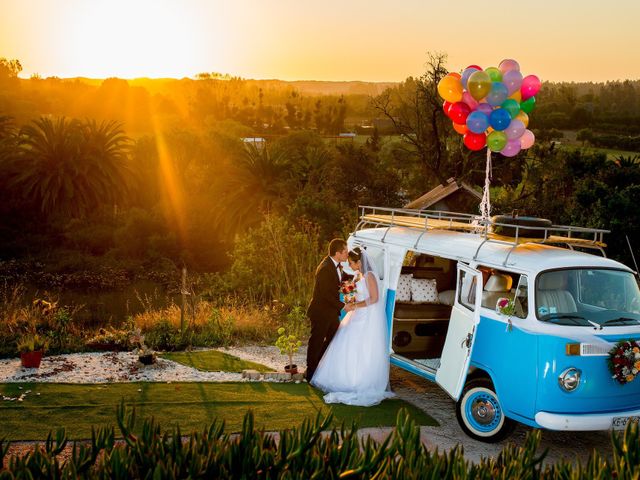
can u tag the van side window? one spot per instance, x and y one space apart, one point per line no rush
499 284
467 290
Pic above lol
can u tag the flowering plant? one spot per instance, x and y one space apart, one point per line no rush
506 306
348 290
624 361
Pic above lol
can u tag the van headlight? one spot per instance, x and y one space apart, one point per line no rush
569 379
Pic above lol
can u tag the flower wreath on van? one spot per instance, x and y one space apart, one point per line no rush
624 361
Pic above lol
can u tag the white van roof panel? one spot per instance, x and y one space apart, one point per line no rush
529 257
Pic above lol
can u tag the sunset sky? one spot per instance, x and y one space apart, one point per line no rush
375 40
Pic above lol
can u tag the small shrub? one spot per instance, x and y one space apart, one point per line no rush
32 342
287 344
110 339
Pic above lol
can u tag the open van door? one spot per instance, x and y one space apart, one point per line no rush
465 315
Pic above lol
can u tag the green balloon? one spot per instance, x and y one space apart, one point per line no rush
512 106
496 141
479 85
528 105
494 74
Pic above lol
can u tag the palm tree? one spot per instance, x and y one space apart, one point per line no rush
251 187
70 167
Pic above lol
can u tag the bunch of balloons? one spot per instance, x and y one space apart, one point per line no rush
491 107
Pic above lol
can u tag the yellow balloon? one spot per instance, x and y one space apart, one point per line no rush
479 85
450 88
523 117
517 96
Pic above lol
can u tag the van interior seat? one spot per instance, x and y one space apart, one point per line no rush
553 295
498 286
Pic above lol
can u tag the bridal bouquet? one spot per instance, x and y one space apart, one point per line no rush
348 290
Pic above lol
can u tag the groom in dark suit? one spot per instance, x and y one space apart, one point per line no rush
324 308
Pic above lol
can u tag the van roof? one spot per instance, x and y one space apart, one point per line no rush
470 247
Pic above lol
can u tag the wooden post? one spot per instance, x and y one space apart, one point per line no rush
183 291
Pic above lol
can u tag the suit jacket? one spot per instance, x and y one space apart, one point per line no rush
326 299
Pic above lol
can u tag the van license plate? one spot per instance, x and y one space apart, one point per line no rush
619 423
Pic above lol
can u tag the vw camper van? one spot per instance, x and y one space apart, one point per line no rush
511 317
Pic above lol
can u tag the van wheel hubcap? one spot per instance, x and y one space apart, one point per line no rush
482 411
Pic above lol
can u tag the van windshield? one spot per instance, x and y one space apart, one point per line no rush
588 297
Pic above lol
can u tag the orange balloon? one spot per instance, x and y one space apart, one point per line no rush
450 88
517 96
523 117
489 130
461 129
455 74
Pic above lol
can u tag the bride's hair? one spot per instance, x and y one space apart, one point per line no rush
355 255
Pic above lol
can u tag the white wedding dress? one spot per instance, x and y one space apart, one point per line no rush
355 367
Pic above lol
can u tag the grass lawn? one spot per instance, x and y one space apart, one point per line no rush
191 405
214 361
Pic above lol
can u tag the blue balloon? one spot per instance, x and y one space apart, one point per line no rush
466 74
499 119
478 122
498 94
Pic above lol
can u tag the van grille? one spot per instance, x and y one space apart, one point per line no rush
594 350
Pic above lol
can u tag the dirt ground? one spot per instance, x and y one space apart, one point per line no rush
571 446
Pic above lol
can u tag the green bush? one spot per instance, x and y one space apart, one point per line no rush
273 261
300 452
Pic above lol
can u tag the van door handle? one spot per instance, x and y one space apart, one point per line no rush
466 342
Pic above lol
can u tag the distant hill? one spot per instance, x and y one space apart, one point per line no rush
315 87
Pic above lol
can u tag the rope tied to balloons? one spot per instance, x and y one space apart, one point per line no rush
491 108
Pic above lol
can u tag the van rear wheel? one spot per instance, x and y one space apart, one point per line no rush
479 412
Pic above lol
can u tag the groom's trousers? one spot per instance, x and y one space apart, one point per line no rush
322 332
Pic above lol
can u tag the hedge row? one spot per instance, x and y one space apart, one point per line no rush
301 452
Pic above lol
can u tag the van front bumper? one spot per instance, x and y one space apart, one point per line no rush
584 422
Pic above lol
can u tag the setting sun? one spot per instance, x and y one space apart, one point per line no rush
133 39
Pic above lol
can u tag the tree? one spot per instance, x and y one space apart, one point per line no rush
9 71
251 186
415 109
71 168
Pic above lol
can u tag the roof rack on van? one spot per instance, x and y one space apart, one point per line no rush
424 220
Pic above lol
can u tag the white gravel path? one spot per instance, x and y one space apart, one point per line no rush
108 367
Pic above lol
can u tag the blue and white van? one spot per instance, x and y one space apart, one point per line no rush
543 361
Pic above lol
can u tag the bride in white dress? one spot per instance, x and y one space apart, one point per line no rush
355 367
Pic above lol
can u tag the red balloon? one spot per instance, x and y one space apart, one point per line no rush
446 106
458 112
474 66
455 74
475 141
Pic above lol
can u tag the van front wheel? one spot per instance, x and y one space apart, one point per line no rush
479 412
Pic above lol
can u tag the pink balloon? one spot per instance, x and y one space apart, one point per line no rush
484 108
530 86
469 100
513 80
527 139
515 129
511 149
508 64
